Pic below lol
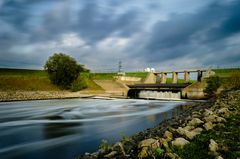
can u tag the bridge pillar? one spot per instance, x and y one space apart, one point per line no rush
174 77
163 78
199 76
186 77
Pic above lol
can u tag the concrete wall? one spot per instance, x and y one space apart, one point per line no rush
128 79
195 91
151 78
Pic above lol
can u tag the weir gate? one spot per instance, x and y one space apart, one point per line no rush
156 87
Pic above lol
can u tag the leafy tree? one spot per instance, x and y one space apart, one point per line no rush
213 83
63 69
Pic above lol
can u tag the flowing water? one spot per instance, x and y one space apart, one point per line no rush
67 128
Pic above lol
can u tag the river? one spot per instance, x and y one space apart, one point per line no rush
69 127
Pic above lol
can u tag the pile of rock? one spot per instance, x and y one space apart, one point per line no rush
187 129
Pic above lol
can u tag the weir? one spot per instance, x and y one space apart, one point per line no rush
167 95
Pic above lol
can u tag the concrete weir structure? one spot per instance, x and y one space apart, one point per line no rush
157 85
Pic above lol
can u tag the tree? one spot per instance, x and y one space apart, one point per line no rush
63 69
213 83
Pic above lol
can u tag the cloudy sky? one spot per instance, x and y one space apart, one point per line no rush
164 34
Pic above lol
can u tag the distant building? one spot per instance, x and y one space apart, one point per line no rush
149 69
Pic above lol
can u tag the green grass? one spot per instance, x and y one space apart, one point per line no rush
102 76
25 80
227 135
137 74
108 76
226 72
34 80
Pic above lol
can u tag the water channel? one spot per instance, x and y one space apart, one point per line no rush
70 127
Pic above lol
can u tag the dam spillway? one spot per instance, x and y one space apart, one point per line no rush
157 91
166 95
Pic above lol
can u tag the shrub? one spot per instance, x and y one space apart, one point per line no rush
235 80
213 83
63 69
79 84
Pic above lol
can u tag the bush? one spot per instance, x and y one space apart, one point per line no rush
79 84
235 80
63 69
213 83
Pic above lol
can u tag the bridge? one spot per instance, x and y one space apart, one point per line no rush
152 78
152 87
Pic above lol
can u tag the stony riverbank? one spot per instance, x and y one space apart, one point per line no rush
41 95
205 130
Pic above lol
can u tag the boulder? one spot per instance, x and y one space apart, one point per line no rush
172 156
219 157
207 112
188 128
211 118
191 134
180 142
224 111
111 154
168 136
147 145
195 122
208 126
165 144
119 148
213 146
220 119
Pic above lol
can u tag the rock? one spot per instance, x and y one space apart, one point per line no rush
165 144
197 130
208 125
213 146
224 111
180 142
188 128
172 156
147 145
219 157
168 136
119 148
111 154
181 131
211 118
191 134
220 119
207 112
195 122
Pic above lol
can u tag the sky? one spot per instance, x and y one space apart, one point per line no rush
160 34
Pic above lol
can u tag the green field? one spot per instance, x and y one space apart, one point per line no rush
226 72
33 80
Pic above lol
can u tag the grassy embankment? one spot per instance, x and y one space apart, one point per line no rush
33 80
37 80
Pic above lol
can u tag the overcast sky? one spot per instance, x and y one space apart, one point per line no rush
164 34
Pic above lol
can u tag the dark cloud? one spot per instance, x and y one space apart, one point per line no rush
31 30
183 34
95 25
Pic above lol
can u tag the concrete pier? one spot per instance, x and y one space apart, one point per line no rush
186 77
163 78
174 77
